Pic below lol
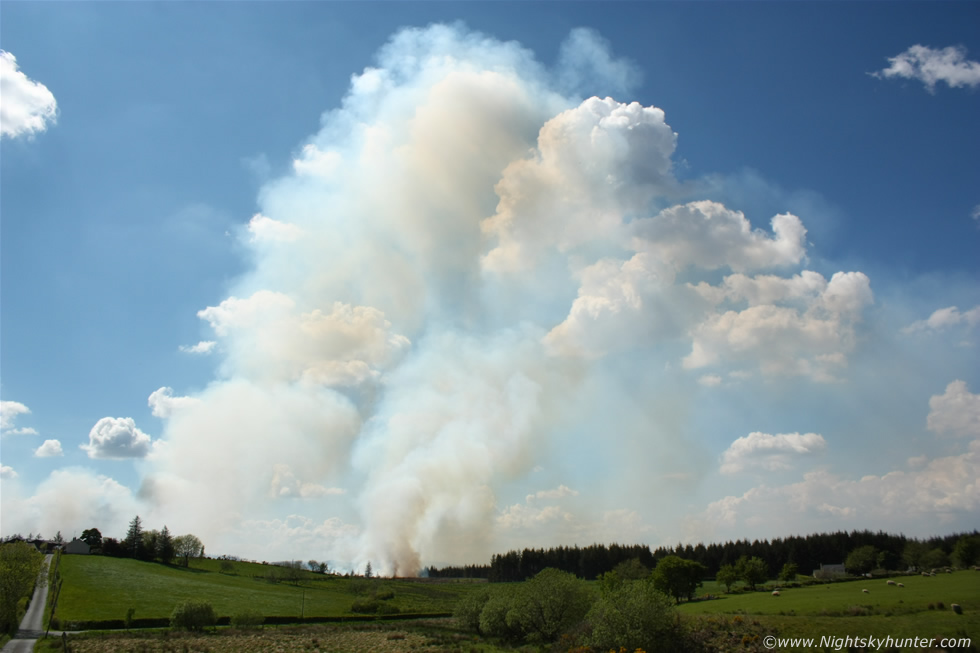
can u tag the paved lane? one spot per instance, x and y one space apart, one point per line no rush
32 625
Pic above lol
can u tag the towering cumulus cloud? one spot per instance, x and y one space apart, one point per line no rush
439 284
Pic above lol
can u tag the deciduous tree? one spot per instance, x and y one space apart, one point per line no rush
92 537
752 570
861 560
20 566
187 547
727 576
788 572
678 577
966 551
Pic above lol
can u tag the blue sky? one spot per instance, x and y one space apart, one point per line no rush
420 282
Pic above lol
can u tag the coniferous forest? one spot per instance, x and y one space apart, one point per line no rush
895 552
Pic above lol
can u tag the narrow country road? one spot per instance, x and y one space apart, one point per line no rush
31 626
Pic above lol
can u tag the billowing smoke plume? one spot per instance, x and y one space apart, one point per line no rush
442 290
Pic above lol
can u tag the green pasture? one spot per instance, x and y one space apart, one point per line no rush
103 588
843 609
838 599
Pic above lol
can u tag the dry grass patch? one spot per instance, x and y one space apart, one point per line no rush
308 639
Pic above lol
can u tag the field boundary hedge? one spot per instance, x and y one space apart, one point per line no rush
164 622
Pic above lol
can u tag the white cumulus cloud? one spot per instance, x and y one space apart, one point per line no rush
955 412
931 66
769 452
163 403
9 410
117 437
710 236
28 106
49 449
7 472
945 318
808 330
204 347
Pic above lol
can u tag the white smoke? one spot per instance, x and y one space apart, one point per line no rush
435 288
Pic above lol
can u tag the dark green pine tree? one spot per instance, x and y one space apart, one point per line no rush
165 546
134 538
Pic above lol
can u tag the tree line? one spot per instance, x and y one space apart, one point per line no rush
145 544
806 553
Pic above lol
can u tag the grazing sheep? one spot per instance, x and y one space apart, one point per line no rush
957 608
866 591
901 584
775 592
890 582
925 574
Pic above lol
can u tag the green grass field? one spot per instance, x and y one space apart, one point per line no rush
842 609
98 588
103 588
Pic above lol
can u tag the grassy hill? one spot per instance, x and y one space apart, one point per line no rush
98 588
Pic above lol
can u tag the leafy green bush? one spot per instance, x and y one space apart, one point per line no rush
387 608
192 615
247 619
494 620
467 612
386 595
549 604
635 616
365 606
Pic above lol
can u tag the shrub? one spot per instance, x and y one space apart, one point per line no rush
366 606
192 615
467 612
386 595
387 608
494 617
22 604
247 619
549 604
634 616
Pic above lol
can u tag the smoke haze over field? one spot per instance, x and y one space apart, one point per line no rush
486 307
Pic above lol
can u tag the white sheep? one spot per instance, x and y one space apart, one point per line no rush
775 592
901 584
890 582
866 591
